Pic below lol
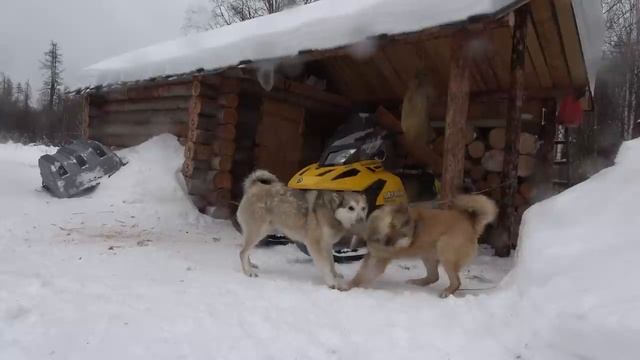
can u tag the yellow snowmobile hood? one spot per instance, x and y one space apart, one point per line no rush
359 176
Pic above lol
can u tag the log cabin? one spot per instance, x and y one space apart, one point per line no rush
268 92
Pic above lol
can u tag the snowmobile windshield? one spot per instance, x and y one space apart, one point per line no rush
358 139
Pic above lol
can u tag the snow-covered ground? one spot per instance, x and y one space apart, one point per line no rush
133 271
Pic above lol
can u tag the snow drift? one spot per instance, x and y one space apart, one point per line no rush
133 271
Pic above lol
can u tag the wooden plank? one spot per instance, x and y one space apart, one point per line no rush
499 52
548 33
224 132
571 42
205 122
175 103
456 116
509 181
195 151
369 78
537 58
403 59
384 65
147 91
283 110
531 80
212 107
312 92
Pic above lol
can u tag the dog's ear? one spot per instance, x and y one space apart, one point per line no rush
335 200
331 199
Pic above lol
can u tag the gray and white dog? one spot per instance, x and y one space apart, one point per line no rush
316 218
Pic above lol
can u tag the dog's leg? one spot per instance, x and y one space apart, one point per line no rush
251 239
369 271
431 264
452 270
323 259
332 263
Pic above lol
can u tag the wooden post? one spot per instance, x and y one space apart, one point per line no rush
544 175
508 216
456 116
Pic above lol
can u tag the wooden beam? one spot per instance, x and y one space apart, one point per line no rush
571 42
173 103
546 28
537 58
456 115
509 183
147 91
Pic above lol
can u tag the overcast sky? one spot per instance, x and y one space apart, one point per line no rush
87 31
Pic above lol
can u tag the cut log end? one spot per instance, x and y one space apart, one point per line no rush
476 149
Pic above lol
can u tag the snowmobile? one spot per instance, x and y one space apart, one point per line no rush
356 159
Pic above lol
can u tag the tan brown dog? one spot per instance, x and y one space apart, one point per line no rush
436 236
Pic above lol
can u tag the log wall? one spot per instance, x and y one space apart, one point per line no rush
210 145
129 115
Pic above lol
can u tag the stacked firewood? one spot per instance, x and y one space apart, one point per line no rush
210 147
484 158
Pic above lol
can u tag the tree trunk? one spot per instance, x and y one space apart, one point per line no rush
456 116
514 123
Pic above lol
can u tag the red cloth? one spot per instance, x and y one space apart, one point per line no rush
570 113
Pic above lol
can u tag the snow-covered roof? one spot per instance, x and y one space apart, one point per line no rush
322 25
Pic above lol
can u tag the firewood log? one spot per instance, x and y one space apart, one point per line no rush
476 149
497 138
526 165
528 144
492 160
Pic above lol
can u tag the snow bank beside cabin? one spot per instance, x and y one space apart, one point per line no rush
579 261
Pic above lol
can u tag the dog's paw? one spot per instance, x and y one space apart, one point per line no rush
250 273
335 284
415 282
444 294
421 281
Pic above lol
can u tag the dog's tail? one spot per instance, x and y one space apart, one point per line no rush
259 177
482 210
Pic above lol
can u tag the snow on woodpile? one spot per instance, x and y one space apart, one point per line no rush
322 25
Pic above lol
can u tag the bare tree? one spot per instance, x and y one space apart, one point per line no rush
218 13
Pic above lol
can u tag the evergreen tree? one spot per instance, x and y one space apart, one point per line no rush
26 97
51 66
19 93
7 88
